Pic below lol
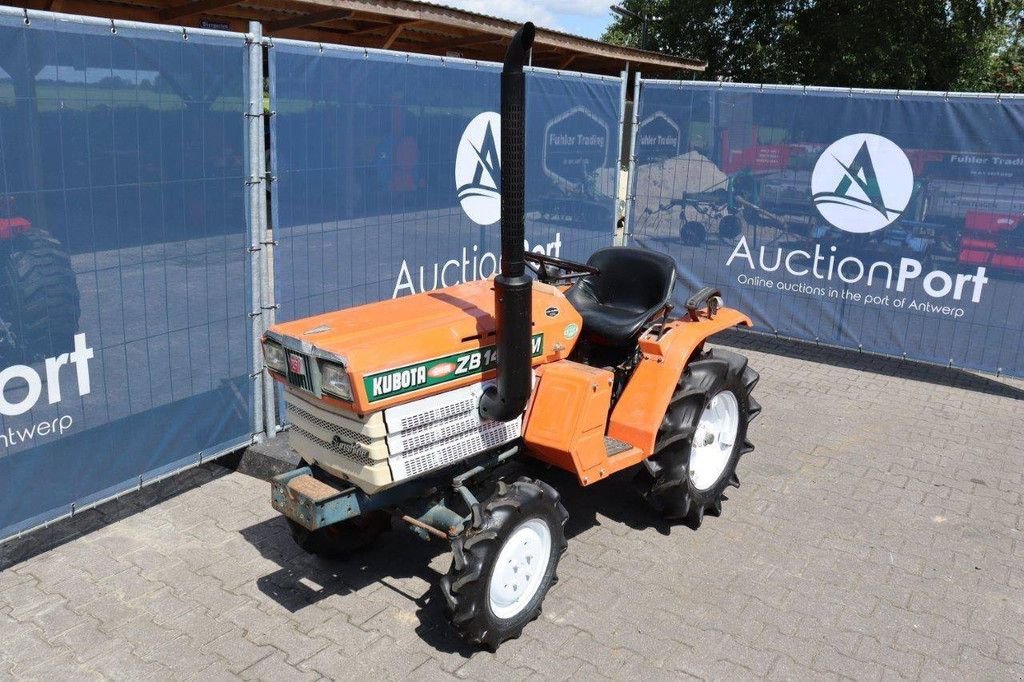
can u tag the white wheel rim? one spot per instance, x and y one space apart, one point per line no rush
520 568
714 439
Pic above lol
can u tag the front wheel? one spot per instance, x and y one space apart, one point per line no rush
340 540
702 436
503 568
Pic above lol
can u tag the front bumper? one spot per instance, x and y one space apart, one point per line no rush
311 502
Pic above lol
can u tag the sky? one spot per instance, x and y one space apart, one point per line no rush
588 18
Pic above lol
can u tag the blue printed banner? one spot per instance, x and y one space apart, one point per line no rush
888 223
388 172
124 332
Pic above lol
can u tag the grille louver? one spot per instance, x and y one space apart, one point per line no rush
435 432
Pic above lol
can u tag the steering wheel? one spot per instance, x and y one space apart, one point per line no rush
550 269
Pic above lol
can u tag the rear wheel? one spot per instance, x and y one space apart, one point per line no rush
703 435
503 568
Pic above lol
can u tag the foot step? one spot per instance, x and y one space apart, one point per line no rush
614 447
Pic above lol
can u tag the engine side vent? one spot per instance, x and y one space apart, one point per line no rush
444 453
440 430
442 412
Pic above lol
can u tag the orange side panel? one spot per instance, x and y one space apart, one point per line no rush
638 414
566 422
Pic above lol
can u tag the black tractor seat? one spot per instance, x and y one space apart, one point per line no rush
633 285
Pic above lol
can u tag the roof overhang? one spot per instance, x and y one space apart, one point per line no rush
402 25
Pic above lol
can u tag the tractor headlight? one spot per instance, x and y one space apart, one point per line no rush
334 380
273 357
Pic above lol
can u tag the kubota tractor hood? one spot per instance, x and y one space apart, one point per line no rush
406 348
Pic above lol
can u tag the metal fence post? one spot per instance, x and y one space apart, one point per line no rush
631 178
257 217
267 276
617 238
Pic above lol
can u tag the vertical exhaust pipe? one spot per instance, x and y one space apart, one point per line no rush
513 288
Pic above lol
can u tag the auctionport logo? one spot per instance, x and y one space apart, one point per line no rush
22 388
862 183
478 169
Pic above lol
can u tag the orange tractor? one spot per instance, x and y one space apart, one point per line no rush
412 411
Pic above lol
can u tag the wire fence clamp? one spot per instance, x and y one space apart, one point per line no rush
184 33
269 242
28 22
253 248
270 307
254 180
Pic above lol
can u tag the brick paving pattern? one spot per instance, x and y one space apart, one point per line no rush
877 535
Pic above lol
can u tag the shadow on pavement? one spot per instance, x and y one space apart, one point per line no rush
868 362
302 579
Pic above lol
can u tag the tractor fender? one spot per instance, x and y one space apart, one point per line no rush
637 416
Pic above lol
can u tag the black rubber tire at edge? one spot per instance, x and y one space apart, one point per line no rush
342 539
39 296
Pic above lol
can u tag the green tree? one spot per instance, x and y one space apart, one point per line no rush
740 39
919 44
1004 71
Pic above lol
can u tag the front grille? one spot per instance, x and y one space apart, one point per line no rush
347 450
299 380
347 434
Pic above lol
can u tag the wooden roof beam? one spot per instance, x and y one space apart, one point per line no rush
467 41
307 20
190 8
404 23
393 36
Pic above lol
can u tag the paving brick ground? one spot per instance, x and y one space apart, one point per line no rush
877 534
